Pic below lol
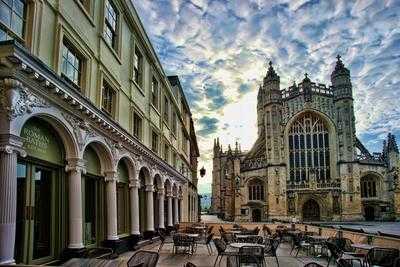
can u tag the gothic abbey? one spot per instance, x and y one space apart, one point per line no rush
307 162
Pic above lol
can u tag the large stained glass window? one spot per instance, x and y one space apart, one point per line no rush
309 149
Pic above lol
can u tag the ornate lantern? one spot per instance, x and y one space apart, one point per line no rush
202 172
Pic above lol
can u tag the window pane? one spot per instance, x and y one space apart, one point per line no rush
5 14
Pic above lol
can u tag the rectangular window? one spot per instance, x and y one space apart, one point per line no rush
154 142
12 19
108 99
174 125
138 67
154 92
174 160
71 66
85 4
137 126
111 22
166 153
166 110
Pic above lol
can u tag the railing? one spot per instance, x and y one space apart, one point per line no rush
315 88
253 164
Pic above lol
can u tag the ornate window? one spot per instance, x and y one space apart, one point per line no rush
256 190
368 187
309 149
71 66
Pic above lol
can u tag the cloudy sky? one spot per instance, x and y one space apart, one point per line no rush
220 50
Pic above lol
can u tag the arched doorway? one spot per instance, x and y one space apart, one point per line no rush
369 213
256 215
40 183
311 211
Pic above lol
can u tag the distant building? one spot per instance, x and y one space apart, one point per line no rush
307 162
97 144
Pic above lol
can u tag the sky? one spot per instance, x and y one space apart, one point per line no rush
220 50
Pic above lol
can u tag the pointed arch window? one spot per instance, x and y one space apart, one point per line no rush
309 149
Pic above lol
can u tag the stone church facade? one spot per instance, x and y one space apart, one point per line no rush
307 162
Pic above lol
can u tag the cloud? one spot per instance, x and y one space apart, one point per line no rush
208 126
220 48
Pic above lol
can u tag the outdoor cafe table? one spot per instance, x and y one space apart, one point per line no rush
319 238
192 235
242 236
239 245
363 246
234 231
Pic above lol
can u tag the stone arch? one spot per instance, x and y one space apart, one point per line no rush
321 199
130 164
104 154
311 210
144 176
60 126
332 138
157 181
373 179
168 185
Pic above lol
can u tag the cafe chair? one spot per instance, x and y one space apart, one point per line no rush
339 255
251 256
271 247
144 259
189 264
384 257
222 250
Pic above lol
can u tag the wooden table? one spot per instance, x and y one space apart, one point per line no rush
239 245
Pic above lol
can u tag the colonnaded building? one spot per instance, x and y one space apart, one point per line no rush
307 162
97 144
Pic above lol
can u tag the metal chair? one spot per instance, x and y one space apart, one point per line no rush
384 257
251 256
184 242
299 242
144 258
271 246
189 264
207 242
221 249
228 237
338 254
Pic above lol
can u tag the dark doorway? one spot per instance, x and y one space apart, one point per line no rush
256 215
311 211
369 212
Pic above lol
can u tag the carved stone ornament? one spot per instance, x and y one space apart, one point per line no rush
82 130
16 100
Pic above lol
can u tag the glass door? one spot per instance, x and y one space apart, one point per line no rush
35 214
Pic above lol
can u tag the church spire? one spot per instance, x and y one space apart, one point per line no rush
340 69
271 74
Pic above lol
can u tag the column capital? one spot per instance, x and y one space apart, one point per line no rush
160 193
149 188
169 195
134 183
110 176
12 144
75 164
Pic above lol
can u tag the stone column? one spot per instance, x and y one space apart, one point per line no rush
111 203
8 196
75 168
134 198
176 219
161 223
170 222
150 208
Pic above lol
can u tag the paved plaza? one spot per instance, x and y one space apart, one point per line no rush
201 258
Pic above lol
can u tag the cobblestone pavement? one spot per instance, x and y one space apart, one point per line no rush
201 258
